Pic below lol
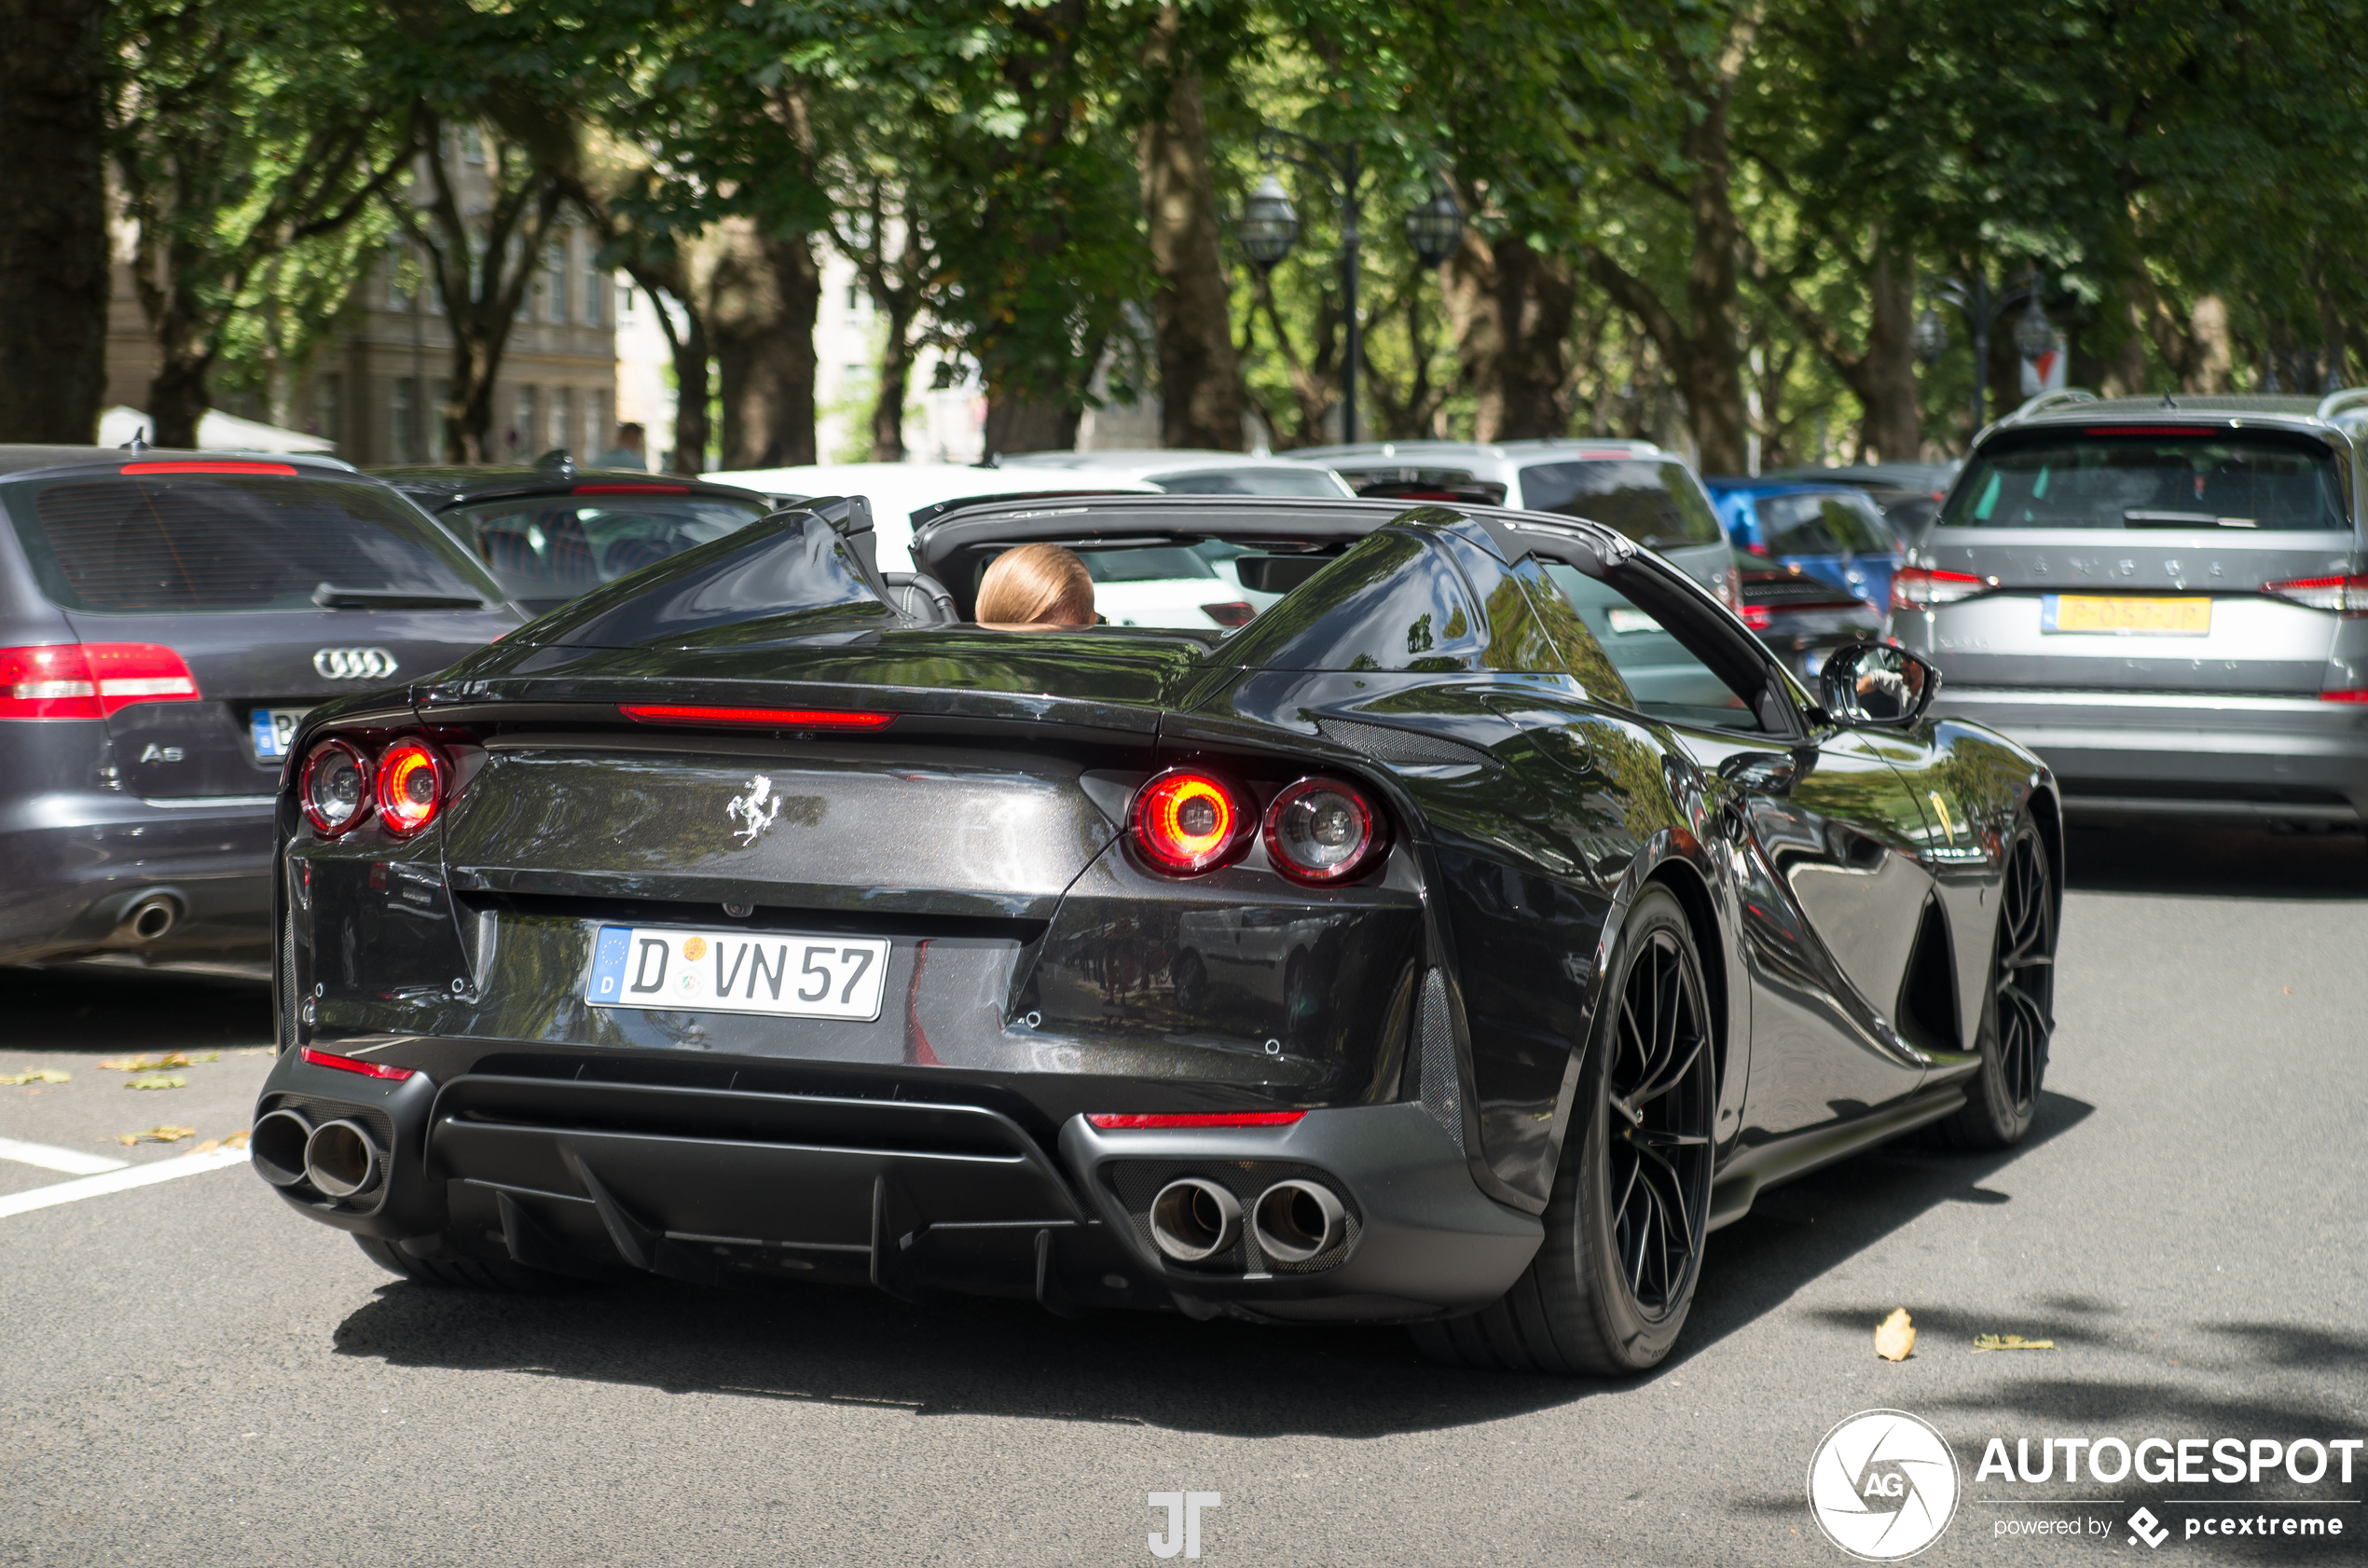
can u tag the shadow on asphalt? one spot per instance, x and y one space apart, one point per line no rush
118 1008
2218 862
991 1357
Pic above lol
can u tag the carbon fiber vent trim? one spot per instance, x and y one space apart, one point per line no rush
1435 1041
1408 748
287 988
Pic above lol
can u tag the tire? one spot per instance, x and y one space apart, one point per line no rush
2019 1002
467 1273
1609 1289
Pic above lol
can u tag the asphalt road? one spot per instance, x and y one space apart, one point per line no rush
189 1374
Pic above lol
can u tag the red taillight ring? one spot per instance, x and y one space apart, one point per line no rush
1295 845
402 807
322 822
1186 821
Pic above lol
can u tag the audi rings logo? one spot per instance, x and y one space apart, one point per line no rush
354 664
1882 1485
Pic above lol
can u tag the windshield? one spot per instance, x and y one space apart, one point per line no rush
1248 481
1824 525
222 544
2165 479
1656 503
543 545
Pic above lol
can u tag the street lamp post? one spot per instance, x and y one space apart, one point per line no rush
1269 226
2034 335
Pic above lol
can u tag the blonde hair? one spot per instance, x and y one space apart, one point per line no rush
1034 585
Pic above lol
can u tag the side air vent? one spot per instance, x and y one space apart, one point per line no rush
1441 1085
1386 743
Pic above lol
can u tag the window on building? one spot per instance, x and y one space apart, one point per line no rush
854 299
472 146
326 408
596 282
398 297
562 419
596 425
402 414
522 422
554 281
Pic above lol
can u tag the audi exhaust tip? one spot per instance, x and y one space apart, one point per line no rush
342 1160
1296 1221
1193 1219
147 919
276 1147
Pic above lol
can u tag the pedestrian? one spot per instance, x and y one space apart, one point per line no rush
628 451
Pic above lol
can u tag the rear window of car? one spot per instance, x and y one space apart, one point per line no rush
2160 479
1153 563
221 544
1822 524
566 543
1656 503
1248 481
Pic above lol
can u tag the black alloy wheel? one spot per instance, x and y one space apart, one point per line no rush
1609 1289
2018 1003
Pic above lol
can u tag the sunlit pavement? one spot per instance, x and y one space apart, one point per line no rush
192 1374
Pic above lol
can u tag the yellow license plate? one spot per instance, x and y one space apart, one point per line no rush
2158 615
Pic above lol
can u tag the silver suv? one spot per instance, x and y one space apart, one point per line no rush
2164 598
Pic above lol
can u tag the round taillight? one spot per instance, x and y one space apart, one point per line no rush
1186 822
411 782
1322 830
335 787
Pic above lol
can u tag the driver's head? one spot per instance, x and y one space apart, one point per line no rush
1036 585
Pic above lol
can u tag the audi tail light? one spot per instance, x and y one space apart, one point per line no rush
1323 830
335 787
412 779
91 680
2354 694
1186 822
1919 587
1757 616
2348 597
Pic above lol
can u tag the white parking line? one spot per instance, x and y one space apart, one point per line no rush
119 1181
50 1157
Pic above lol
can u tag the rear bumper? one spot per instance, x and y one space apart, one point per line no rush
713 1185
2145 756
73 863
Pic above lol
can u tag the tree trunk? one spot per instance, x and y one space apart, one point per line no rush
1710 363
760 295
1199 381
1890 425
690 433
53 224
1511 307
896 378
177 400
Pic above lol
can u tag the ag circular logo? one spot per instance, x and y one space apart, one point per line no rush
1882 1485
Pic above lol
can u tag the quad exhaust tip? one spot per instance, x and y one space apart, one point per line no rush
276 1147
340 1159
1295 1222
1193 1219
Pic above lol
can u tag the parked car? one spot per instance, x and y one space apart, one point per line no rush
2166 599
1806 620
167 619
1175 587
1648 494
1832 532
1908 493
1407 955
551 531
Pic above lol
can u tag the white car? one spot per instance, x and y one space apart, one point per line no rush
1157 587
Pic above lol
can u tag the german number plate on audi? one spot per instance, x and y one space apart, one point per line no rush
737 971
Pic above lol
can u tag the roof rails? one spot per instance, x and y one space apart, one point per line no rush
2335 403
2046 400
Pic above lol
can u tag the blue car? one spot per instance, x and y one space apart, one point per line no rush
1832 532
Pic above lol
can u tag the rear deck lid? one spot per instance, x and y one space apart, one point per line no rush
2133 557
273 591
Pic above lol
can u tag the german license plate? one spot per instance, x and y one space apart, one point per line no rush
2155 615
737 971
272 729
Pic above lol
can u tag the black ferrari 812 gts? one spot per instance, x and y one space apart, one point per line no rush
1458 943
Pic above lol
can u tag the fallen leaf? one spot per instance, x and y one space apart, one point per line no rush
256 1050
160 1081
2009 1342
144 1063
235 1140
156 1135
38 1075
1895 1336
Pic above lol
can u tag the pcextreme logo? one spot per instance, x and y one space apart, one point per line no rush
1882 1485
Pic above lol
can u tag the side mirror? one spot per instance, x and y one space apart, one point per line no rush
1875 683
